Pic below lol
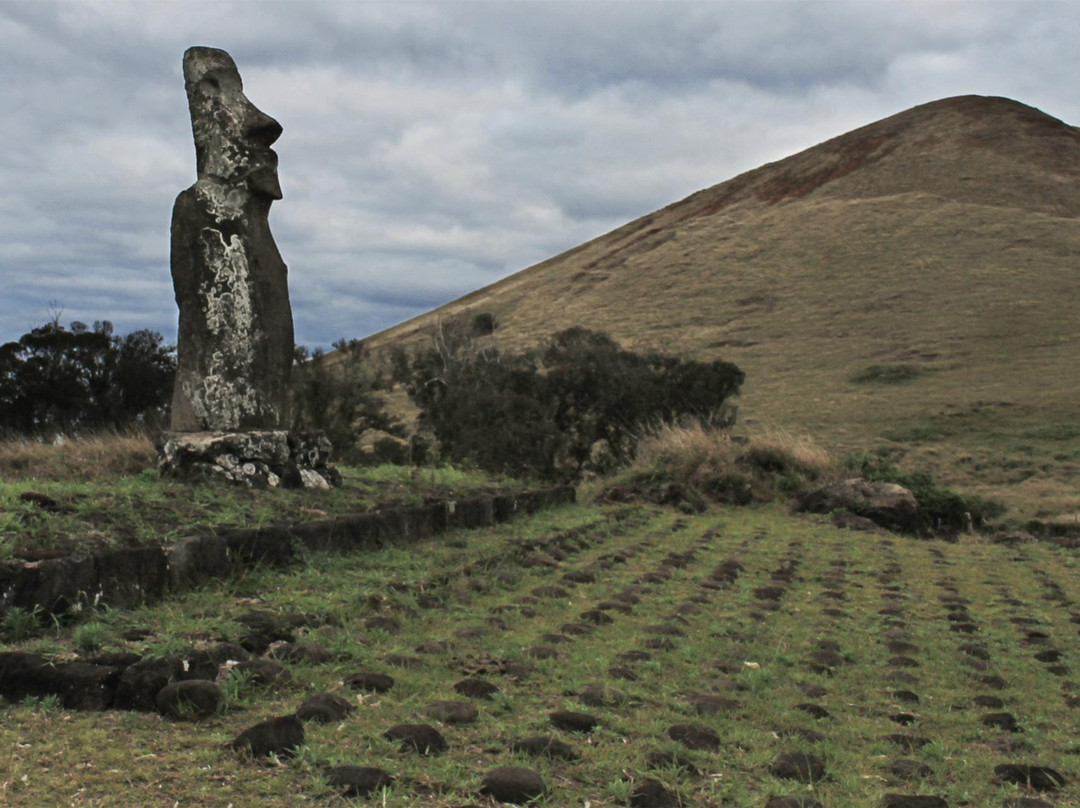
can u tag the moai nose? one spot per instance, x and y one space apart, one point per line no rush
260 127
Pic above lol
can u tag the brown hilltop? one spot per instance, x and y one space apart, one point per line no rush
944 238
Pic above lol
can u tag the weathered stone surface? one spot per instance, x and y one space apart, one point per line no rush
801 766
357 781
513 784
231 405
421 738
140 683
190 698
235 344
325 708
279 736
266 458
887 504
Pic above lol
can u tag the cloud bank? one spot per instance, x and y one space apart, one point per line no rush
432 148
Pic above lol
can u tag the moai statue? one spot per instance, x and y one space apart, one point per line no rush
231 408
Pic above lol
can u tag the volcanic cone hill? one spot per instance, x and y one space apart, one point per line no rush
913 282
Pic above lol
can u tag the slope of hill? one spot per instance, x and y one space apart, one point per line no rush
938 246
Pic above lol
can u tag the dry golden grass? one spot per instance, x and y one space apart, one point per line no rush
943 239
694 453
106 454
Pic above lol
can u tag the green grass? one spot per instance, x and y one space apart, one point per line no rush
733 648
141 508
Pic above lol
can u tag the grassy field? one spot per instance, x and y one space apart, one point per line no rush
100 492
775 634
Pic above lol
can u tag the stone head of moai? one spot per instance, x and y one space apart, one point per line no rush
235 341
232 135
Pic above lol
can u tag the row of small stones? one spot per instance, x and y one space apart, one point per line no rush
260 739
795 765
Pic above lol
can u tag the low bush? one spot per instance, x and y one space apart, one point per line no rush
573 408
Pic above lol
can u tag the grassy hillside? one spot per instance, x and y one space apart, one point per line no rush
911 285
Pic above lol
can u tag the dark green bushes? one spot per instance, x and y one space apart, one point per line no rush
340 400
575 406
79 379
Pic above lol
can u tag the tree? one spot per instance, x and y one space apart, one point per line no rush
57 379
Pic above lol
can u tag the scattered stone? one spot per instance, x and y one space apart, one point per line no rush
989 702
708 704
357 781
907 769
325 708
671 760
620 672
545 746
815 710
81 685
901 677
263 629
421 738
513 784
452 712
191 698
913 801
279 736
555 639
596 617
695 736
370 682
385 624
1003 721
813 690
903 662
904 719
140 683
909 743
601 696
792 802
541 652
570 721
1040 778
1025 802
550 592
403 661
264 672
579 577
651 793
575 629
905 696
302 652
825 661
807 735
800 766
659 644
476 688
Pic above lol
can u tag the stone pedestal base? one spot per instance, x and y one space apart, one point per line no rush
260 459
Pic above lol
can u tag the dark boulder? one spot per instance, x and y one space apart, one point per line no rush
279 736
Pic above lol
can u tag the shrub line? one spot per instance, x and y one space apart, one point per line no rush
133 576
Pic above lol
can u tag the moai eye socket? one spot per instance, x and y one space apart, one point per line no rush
210 85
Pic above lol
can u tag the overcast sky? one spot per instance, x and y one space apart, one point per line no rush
432 148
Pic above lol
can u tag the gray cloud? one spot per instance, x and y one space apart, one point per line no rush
431 148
